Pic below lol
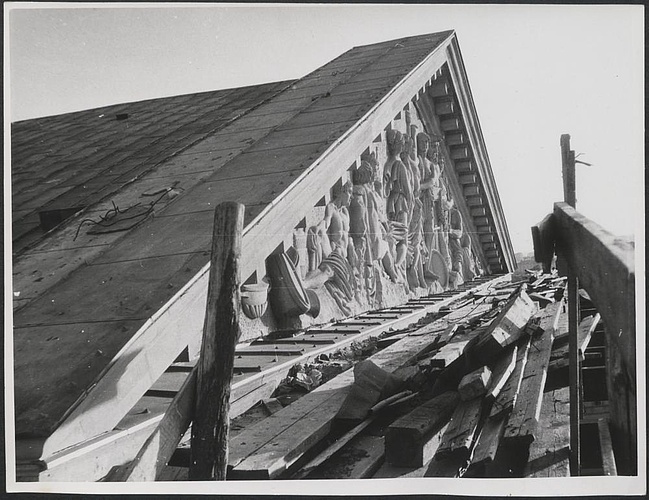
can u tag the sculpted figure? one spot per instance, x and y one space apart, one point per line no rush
372 229
468 269
397 184
455 247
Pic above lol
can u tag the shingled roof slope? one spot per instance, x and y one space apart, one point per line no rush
73 160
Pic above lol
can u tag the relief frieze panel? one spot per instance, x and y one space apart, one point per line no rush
388 230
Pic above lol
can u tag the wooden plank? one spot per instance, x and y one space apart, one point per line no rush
502 370
487 445
462 430
606 446
160 445
329 452
523 421
360 460
506 399
412 440
574 371
549 453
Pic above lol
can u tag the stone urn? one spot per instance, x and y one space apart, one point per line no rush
254 299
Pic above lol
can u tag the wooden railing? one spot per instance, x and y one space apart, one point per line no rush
603 265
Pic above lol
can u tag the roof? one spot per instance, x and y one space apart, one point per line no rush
87 293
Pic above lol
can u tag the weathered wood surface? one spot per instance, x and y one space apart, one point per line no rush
506 399
523 421
502 370
543 238
605 267
504 330
486 448
549 453
265 451
160 445
474 384
412 440
359 460
245 393
489 343
371 384
211 418
609 468
459 437
329 452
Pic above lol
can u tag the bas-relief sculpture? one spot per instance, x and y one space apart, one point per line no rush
393 220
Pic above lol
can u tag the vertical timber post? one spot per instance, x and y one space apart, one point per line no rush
211 426
570 197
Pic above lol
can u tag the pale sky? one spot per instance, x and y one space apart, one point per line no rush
535 72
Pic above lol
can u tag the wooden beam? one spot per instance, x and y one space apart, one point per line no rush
605 268
543 236
412 440
474 384
211 421
522 423
568 171
458 439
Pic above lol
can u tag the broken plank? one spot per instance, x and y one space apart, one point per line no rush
506 399
524 419
412 440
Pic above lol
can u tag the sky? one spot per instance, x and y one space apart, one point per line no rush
535 72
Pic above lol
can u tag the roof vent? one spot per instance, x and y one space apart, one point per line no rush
121 116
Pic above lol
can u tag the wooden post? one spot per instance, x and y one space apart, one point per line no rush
210 427
569 194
